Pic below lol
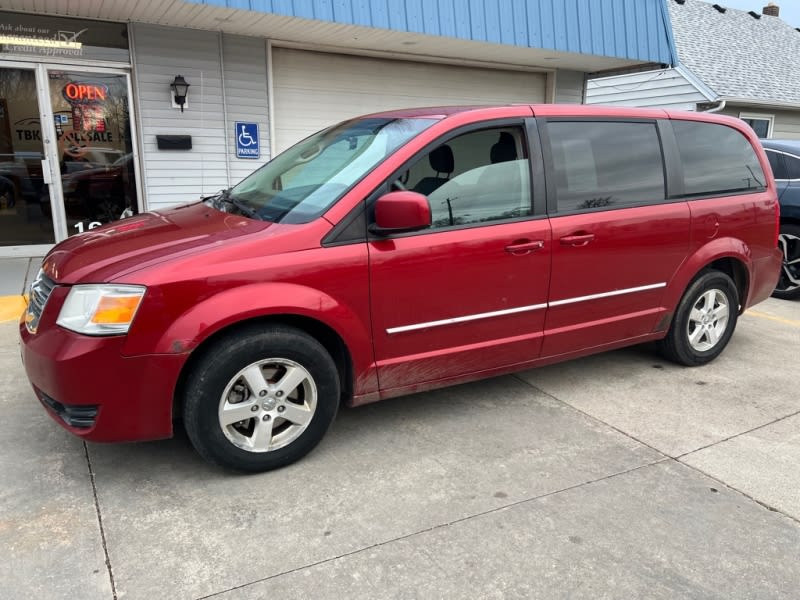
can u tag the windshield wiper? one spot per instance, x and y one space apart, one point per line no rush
245 209
224 197
216 199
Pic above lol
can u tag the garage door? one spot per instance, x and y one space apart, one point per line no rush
314 90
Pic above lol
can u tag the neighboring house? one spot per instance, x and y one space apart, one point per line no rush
744 64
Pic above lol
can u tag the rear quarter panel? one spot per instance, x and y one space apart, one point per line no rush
741 227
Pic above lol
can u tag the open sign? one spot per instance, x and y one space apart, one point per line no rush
84 93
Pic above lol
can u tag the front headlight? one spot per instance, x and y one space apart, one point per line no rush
101 309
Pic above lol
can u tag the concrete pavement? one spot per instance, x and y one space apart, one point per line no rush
614 476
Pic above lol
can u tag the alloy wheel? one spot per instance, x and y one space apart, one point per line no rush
267 405
790 273
708 320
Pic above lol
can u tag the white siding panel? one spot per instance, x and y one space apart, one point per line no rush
161 53
657 89
245 61
314 90
569 87
787 125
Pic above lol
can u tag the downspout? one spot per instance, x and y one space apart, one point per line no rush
720 106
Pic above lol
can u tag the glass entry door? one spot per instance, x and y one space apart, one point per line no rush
91 116
68 159
26 215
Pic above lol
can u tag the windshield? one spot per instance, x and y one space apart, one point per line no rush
301 183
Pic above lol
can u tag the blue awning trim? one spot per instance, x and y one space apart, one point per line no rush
629 29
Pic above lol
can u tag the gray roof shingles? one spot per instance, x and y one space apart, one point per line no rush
737 55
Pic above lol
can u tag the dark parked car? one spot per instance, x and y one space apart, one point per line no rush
784 157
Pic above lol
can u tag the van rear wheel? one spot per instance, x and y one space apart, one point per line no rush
261 398
704 322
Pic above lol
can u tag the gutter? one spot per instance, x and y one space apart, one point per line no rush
777 104
720 106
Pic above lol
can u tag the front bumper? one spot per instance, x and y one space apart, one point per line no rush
95 392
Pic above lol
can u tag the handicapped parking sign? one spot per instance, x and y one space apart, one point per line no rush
247 140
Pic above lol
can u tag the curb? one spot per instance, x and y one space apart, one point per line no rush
11 307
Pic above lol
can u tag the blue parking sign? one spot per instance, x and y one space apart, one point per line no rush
247 140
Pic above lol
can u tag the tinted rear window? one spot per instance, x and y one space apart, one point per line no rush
792 166
776 162
716 159
606 164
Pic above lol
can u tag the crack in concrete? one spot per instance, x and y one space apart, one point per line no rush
592 417
100 523
677 459
434 528
736 435
738 491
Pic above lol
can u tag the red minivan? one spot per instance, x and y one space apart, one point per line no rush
400 252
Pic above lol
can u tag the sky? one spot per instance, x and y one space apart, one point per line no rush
790 9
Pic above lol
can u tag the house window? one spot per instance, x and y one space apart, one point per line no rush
761 124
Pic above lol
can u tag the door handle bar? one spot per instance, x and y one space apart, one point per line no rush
525 247
577 240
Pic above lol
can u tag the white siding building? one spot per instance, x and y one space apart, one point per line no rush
90 129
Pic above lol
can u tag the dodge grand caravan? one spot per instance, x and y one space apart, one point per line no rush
400 252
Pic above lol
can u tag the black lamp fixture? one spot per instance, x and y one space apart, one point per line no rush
179 90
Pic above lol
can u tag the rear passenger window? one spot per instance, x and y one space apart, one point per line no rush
606 164
776 162
716 159
792 166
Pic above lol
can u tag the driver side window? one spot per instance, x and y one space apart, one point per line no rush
477 177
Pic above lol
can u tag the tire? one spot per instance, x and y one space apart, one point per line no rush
788 286
279 380
704 322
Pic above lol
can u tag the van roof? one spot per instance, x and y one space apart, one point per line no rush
791 146
562 110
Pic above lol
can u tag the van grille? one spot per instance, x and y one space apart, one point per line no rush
41 288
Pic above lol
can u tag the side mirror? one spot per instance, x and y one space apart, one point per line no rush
400 212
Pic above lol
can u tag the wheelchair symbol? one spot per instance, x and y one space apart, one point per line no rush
245 139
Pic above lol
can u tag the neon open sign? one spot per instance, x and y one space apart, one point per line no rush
85 93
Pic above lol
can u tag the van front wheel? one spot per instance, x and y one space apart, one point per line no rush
261 398
704 322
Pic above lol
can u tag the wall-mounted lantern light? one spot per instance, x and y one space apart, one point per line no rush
180 89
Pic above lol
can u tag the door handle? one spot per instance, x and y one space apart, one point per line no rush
577 240
524 247
47 175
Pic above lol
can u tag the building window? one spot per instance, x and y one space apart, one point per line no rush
761 124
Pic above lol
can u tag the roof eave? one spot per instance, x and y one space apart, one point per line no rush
778 104
696 82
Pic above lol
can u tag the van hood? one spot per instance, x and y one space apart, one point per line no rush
119 248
